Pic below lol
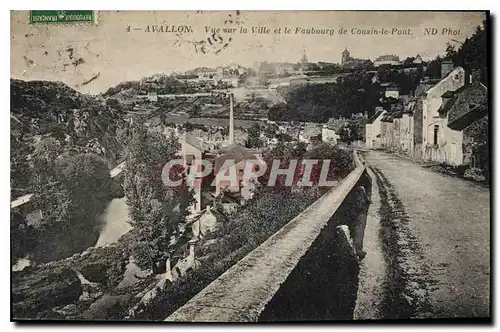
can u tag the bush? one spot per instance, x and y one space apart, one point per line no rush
72 192
342 160
256 222
475 174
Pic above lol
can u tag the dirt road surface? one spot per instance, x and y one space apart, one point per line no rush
448 219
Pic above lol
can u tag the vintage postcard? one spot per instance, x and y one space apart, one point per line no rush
250 166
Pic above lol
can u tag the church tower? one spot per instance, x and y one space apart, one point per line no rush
345 57
304 57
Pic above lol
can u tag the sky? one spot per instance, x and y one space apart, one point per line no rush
114 54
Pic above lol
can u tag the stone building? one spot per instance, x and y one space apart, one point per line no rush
434 132
387 59
349 62
464 119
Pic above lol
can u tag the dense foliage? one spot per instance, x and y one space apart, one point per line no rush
151 202
71 192
339 161
164 85
253 139
77 123
472 54
318 103
263 216
258 220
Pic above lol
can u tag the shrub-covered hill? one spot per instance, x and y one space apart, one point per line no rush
80 123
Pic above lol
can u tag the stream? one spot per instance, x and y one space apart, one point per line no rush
116 224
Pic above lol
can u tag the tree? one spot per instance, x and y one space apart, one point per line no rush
50 196
450 51
270 130
471 55
20 172
24 238
151 202
408 61
341 161
72 192
318 103
86 177
284 153
284 138
253 139
434 68
473 52
350 132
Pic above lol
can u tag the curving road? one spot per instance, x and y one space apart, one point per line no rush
449 220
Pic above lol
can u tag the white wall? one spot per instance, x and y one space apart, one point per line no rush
454 147
372 130
368 136
431 103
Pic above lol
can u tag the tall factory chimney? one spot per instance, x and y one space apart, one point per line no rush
231 119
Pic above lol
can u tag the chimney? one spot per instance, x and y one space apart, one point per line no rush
231 119
446 67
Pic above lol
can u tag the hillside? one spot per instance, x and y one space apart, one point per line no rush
162 85
318 103
80 123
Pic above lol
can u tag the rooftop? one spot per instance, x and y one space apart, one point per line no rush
475 113
193 141
375 116
233 152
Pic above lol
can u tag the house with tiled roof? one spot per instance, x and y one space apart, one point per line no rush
434 131
464 122
445 122
234 160
423 114
373 129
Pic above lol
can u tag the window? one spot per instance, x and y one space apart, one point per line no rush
436 130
